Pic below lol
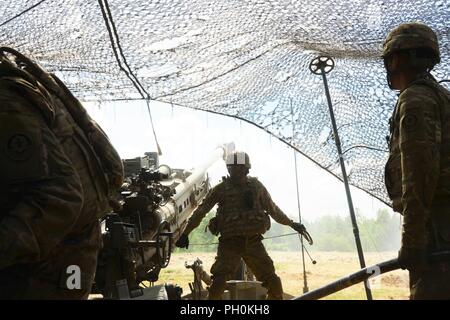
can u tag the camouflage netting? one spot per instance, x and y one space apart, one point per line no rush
239 58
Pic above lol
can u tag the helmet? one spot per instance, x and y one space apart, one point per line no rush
237 158
412 36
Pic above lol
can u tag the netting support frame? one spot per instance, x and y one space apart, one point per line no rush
321 66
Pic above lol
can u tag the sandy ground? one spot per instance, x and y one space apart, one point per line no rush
330 266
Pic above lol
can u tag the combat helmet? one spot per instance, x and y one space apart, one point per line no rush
413 36
237 158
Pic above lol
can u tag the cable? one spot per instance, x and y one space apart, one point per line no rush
305 280
273 237
118 53
23 12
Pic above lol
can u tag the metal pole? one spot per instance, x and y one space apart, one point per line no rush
364 274
305 280
323 63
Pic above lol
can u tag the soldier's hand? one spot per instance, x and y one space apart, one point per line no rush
412 258
183 242
300 228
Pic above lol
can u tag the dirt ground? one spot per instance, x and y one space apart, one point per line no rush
330 266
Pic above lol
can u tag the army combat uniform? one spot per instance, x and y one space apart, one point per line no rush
57 171
242 217
418 178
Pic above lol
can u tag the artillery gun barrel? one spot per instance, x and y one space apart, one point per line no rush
199 172
175 213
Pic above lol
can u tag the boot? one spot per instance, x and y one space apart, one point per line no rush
217 288
274 289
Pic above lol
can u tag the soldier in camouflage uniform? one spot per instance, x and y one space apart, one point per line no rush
57 171
417 173
244 206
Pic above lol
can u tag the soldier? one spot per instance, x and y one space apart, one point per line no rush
244 206
57 170
417 173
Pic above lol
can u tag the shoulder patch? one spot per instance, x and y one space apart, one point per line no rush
410 122
19 146
21 149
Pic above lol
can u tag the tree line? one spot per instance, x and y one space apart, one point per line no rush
330 233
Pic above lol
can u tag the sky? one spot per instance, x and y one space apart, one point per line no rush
187 137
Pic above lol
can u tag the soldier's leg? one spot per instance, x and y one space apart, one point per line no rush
58 276
432 284
259 261
225 265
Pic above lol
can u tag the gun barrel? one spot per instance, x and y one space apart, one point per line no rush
198 174
188 192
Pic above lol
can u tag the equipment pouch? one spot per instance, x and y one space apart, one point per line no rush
213 226
248 199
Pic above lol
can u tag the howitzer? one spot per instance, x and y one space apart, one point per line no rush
151 214
363 275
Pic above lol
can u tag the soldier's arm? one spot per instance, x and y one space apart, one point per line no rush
43 191
211 199
420 132
272 209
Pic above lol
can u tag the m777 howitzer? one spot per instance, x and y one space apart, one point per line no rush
150 216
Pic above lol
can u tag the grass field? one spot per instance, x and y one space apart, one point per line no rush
330 267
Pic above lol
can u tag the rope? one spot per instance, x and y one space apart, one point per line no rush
23 12
107 17
305 281
118 53
273 237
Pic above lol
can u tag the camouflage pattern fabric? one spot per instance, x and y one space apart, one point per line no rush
411 36
242 216
54 184
417 173
48 278
255 256
243 210
431 284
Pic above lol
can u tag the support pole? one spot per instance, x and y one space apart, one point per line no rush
305 279
321 66
362 275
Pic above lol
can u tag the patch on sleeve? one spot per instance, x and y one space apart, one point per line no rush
21 148
410 122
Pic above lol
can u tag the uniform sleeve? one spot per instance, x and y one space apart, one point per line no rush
44 191
211 199
420 132
272 209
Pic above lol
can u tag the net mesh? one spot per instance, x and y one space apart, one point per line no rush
246 59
